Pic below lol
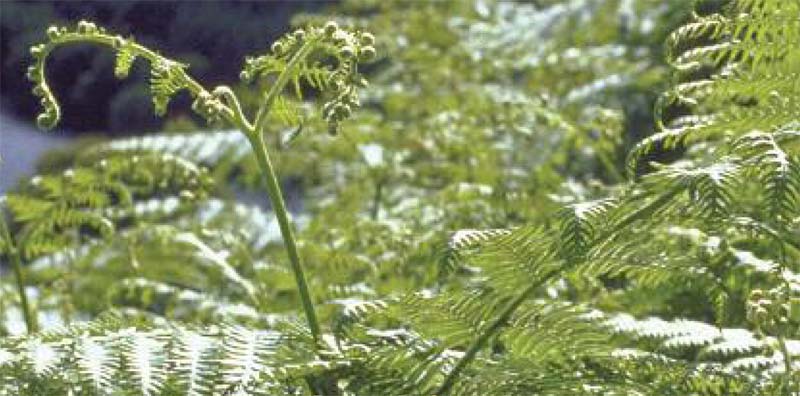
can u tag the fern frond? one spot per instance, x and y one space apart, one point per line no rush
144 364
124 60
165 81
413 366
96 362
181 303
450 320
710 188
511 262
538 332
194 361
353 312
57 211
777 171
730 345
578 225
244 353
462 241
150 360
751 51
206 148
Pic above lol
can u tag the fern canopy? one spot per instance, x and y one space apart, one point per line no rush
495 219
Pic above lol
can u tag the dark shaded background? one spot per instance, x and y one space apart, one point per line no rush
213 36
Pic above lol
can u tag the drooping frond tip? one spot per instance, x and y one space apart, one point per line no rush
167 78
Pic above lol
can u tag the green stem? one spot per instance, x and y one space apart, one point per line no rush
16 262
325 385
256 138
787 362
512 306
279 207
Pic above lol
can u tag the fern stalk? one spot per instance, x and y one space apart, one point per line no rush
231 112
256 138
16 263
279 207
483 338
513 305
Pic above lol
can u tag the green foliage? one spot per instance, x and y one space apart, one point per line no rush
471 232
734 74
111 356
55 208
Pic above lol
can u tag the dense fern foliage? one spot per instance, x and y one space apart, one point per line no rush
491 221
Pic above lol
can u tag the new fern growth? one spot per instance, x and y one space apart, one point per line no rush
681 281
325 57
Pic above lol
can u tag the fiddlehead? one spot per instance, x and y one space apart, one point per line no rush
304 57
167 76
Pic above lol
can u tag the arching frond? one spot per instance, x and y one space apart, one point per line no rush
751 50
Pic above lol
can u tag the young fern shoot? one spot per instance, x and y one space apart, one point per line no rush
326 58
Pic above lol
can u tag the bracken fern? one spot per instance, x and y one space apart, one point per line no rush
682 280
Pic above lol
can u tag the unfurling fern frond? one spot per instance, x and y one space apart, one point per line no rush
124 60
166 79
304 54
